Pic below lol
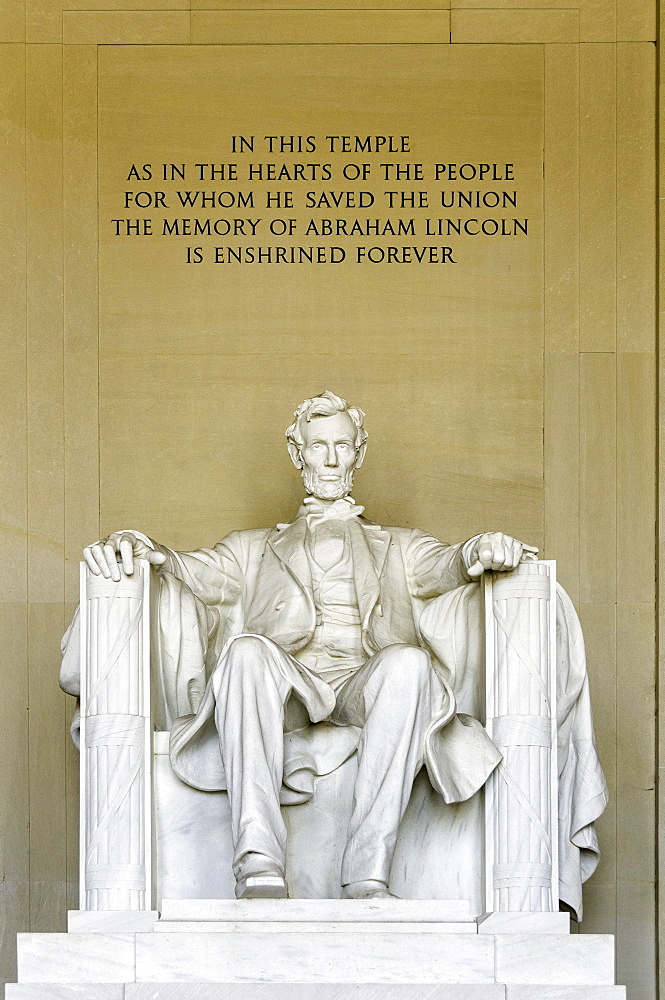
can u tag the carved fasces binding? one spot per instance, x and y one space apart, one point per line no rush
521 804
116 743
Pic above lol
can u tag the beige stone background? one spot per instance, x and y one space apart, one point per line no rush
135 393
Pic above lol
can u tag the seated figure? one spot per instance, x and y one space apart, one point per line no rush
321 621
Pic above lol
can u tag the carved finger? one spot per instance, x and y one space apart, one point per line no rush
127 554
112 561
476 569
485 552
514 552
509 546
499 553
97 553
156 558
91 563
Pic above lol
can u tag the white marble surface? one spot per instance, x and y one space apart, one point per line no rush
110 921
534 966
115 740
309 991
193 835
76 958
559 960
64 991
281 910
194 841
312 957
521 844
524 923
310 926
565 992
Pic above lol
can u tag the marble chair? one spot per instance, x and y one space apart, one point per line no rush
146 835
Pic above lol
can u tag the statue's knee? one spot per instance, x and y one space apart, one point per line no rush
249 654
407 665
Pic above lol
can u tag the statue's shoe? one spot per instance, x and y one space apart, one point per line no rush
258 877
369 889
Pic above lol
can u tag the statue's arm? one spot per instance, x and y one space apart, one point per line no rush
435 568
213 574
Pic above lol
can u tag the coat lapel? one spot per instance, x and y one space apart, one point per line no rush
370 548
289 547
378 541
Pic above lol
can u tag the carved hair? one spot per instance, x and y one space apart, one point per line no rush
326 404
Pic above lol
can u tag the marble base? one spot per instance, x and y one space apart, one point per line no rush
110 921
314 957
571 960
414 911
298 991
76 958
65 991
524 923
363 991
360 991
258 949
244 955
565 993
297 916
311 927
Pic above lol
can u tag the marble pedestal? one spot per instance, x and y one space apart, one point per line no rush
317 950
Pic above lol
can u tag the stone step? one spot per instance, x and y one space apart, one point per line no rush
296 916
334 910
65 991
316 957
110 921
295 991
311 926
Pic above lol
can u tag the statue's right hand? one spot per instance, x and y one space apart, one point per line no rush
102 557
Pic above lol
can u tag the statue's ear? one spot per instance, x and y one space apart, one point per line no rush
360 455
294 452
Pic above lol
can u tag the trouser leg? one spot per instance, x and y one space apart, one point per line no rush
391 698
251 694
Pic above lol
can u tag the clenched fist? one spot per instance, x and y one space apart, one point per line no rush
496 551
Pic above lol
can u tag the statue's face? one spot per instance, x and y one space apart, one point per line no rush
329 456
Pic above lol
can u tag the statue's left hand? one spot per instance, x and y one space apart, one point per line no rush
121 547
499 552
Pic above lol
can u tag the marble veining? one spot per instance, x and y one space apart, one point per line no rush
315 958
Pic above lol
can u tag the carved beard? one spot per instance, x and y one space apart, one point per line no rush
327 490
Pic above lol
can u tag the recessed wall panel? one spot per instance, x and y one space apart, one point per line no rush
413 175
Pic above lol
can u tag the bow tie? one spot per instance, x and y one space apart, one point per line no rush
340 510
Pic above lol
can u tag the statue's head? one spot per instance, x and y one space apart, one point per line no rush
327 442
